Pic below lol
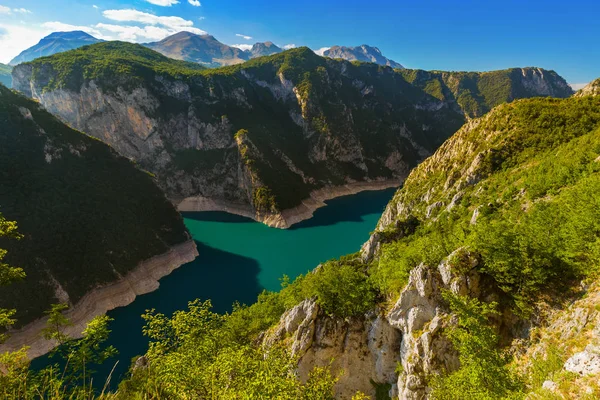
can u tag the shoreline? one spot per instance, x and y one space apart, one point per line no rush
291 216
141 280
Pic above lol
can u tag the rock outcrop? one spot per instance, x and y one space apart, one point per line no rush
591 89
364 351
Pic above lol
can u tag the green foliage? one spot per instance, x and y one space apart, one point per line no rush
73 381
200 354
56 323
263 199
106 62
483 372
340 287
8 273
87 216
535 196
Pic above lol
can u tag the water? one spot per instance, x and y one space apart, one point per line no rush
239 258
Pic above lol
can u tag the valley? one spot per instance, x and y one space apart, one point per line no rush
302 218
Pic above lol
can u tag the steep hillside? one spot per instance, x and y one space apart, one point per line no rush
202 49
258 138
55 43
465 290
6 75
364 53
478 92
88 216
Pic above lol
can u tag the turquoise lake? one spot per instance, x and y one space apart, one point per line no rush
239 258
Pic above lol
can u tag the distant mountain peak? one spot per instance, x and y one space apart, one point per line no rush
363 53
56 42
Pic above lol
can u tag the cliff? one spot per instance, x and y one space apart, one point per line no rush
258 137
88 216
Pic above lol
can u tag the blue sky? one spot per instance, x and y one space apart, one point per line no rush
428 34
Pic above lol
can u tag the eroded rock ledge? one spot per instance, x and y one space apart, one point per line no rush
143 279
288 217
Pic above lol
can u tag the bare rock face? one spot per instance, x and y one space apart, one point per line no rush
362 350
420 315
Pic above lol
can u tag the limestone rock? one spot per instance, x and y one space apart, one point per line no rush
586 362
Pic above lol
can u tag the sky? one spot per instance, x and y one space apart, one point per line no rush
455 35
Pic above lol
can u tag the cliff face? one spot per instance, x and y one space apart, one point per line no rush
88 216
259 137
476 93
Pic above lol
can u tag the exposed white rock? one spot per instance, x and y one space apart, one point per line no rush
586 362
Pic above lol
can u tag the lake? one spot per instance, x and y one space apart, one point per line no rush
238 259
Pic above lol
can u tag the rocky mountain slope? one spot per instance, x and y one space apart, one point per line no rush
6 75
208 51
364 53
256 138
264 49
56 42
88 216
591 89
478 92
202 49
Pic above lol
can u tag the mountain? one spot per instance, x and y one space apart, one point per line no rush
269 139
56 42
363 53
478 92
6 75
88 218
202 49
591 89
264 49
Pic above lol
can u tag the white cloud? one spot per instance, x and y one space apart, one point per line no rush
163 3
55 26
95 6
16 38
135 33
246 37
577 86
242 46
175 24
289 46
321 50
195 3
7 10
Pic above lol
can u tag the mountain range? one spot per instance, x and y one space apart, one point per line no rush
203 49
262 136
55 43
